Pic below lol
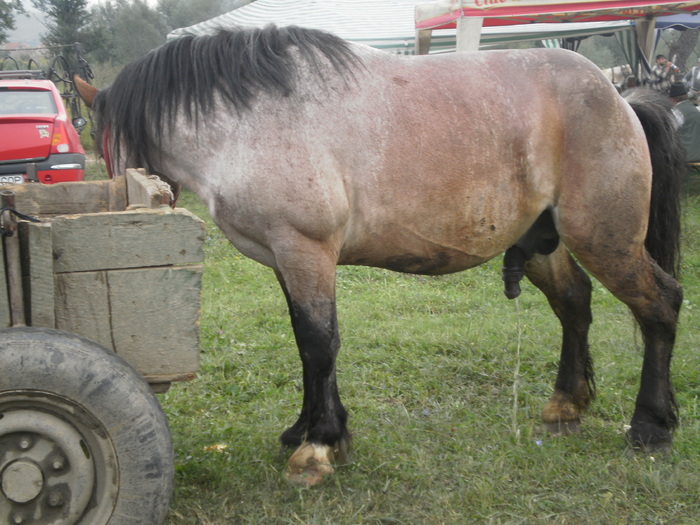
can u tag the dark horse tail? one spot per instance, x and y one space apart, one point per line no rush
668 167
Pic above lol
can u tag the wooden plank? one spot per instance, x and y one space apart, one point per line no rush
117 194
62 198
37 269
128 239
82 305
5 318
155 318
146 191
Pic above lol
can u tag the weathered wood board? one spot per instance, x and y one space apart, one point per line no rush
135 189
151 195
171 299
83 306
128 239
38 272
70 197
149 316
112 262
5 319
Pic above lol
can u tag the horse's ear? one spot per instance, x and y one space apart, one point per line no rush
85 90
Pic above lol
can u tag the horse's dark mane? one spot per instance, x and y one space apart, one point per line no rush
189 72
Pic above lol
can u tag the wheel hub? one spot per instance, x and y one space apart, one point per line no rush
47 465
22 481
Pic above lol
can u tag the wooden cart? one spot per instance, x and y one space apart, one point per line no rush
100 305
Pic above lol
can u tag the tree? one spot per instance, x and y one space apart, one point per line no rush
102 20
67 21
125 30
137 30
179 13
183 13
120 31
8 10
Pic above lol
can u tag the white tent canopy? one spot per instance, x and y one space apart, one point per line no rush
385 24
388 24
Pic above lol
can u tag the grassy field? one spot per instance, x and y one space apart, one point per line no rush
444 379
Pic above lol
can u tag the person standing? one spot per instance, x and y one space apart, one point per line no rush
688 117
662 74
692 81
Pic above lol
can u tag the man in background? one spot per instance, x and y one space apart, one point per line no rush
688 117
692 81
662 74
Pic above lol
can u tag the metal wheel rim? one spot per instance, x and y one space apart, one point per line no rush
58 464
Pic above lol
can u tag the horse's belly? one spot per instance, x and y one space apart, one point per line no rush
430 241
435 262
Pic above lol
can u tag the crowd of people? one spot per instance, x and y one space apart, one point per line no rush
684 92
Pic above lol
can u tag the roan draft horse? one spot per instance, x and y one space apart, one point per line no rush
311 152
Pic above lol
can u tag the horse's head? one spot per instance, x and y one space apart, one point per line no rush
89 94
116 158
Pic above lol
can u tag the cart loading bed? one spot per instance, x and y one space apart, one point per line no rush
113 262
99 309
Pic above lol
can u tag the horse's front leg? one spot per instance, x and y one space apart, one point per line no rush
320 432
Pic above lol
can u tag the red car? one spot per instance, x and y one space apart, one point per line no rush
38 141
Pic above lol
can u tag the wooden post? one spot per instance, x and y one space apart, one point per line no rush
13 262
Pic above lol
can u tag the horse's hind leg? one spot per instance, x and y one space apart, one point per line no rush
308 281
568 290
655 298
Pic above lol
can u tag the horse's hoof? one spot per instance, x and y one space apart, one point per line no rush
660 449
561 416
562 428
310 464
659 443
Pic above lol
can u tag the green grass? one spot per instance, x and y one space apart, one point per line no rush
441 434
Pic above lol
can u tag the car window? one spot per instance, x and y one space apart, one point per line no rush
15 101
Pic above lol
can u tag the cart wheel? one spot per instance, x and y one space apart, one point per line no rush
83 440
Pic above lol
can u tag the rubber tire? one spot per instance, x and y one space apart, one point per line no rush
113 393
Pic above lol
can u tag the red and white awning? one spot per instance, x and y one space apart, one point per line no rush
444 14
469 16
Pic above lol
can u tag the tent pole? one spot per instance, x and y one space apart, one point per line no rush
423 37
468 33
645 29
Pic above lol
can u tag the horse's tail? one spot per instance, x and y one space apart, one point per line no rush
668 169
